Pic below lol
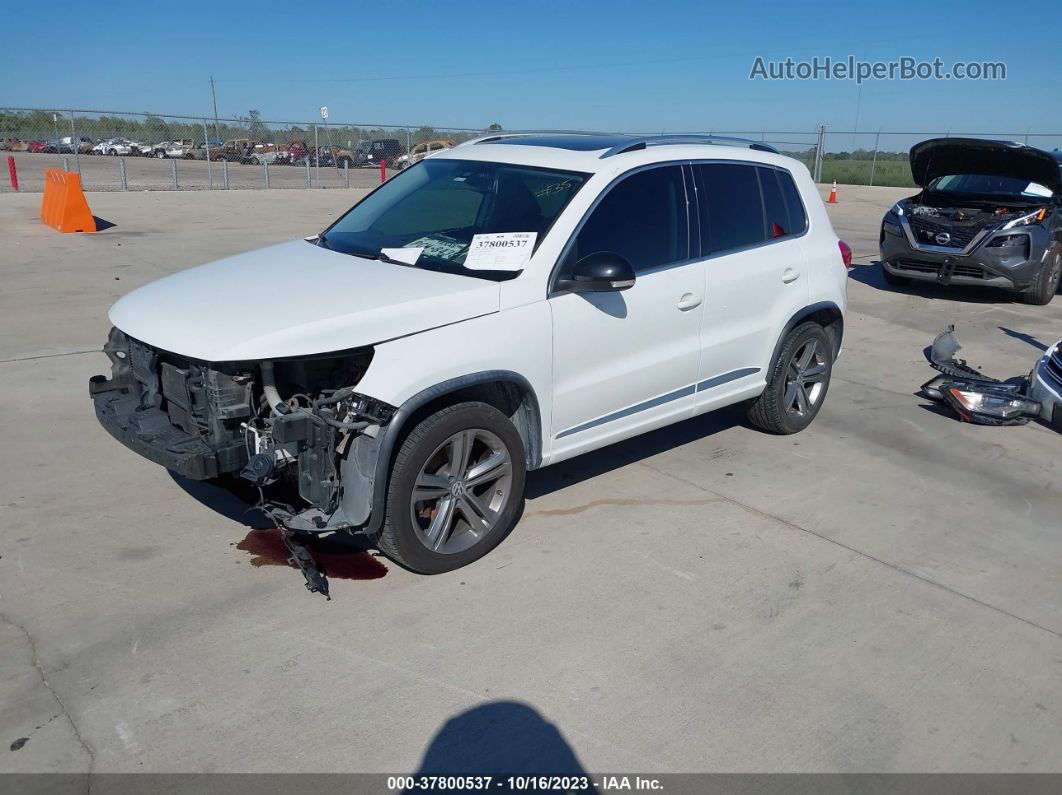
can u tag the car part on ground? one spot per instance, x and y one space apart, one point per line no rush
988 215
983 400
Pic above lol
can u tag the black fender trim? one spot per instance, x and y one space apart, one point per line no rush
393 430
806 313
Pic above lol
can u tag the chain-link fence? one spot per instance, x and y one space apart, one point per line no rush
142 151
871 158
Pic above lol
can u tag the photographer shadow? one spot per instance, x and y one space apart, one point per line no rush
501 739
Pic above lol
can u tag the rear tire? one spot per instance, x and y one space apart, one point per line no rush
456 489
796 387
893 279
1046 283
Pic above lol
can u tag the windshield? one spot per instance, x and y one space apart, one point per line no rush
984 185
439 205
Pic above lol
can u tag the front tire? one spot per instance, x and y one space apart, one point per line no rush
456 489
1046 285
796 388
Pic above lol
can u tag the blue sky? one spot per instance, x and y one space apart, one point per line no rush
593 65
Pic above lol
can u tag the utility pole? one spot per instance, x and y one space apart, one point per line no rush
214 98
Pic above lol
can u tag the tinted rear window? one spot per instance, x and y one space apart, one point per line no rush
798 218
777 216
731 206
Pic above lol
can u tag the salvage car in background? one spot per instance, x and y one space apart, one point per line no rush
563 280
235 150
386 150
421 151
180 150
122 147
989 214
164 148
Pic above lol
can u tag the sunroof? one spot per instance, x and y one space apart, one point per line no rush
576 143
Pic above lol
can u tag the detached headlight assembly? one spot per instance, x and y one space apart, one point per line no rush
989 405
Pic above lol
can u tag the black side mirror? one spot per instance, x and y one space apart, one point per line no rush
601 272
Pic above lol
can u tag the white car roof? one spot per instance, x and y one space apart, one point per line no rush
592 153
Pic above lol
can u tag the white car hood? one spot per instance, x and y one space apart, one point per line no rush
295 299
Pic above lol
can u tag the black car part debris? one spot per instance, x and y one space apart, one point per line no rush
316 581
976 398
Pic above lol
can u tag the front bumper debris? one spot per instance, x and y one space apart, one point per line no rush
983 400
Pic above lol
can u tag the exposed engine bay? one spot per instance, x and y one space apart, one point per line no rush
931 215
285 426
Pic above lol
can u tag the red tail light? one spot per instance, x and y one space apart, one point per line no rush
846 253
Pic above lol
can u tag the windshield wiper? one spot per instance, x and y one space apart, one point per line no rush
323 242
381 257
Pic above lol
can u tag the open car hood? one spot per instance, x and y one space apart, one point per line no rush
295 299
941 156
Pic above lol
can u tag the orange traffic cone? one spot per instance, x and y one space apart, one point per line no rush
833 194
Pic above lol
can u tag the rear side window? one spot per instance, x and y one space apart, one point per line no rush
798 219
731 206
642 218
778 224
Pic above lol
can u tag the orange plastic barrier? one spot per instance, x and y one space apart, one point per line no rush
64 205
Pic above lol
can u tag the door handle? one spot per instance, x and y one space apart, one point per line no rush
689 301
789 275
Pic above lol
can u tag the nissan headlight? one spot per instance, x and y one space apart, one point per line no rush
993 405
1034 217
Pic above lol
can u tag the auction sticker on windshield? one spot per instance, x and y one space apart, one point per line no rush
503 251
439 247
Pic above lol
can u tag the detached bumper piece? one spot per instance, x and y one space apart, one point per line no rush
976 398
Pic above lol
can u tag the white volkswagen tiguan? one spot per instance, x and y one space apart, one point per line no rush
498 307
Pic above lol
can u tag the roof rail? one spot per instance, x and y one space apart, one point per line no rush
497 136
663 140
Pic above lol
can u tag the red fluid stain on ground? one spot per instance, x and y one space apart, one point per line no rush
267 549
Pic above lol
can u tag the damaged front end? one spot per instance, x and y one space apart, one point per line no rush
983 400
985 216
294 428
992 244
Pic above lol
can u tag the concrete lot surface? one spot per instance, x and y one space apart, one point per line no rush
882 592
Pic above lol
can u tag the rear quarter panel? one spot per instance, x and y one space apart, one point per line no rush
827 275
